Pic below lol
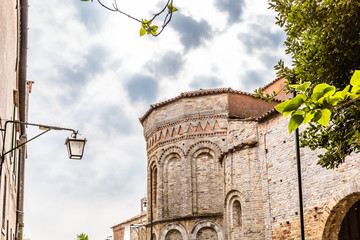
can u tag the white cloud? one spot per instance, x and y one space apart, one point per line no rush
89 66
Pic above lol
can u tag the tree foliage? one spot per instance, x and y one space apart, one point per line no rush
323 39
147 26
82 236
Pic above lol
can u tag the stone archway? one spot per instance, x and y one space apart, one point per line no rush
173 231
206 230
339 215
350 226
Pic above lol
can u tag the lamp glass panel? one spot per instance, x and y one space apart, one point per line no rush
76 147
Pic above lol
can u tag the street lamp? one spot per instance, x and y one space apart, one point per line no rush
75 146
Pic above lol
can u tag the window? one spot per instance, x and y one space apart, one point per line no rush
236 214
154 186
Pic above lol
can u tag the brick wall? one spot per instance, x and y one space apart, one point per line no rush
220 177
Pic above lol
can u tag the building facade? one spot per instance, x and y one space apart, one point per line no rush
222 165
13 92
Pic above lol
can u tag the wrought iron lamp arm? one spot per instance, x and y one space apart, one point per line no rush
45 127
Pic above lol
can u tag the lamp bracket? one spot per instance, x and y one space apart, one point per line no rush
47 128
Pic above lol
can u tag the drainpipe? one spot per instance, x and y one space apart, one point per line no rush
22 110
21 179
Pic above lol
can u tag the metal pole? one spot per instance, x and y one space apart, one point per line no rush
297 148
151 205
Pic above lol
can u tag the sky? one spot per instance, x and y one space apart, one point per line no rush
94 73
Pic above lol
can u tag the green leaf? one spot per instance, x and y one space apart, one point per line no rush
354 93
303 87
320 87
281 106
287 113
316 96
154 30
308 116
355 79
343 93
357 134
295 103
142 31
295 122
171 8
329 91
325 117
291 105
317 116
294 85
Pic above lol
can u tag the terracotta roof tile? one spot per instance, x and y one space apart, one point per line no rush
201 92
131 219
271 83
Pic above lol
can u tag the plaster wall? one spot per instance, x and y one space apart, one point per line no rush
9 39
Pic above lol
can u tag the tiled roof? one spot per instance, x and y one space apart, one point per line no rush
271 83
201 92
130 220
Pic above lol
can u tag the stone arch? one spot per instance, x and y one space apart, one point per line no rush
154 236
206 224
173 182
204 144
153 182
206 177
232 228
153 160
171 150
171 227
336 210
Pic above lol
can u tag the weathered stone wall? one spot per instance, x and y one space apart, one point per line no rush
324 190
184 109
189 179
243 190
136 225
220 177
185 139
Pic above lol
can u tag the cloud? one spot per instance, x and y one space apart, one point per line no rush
269 60
234 9
116 120
77 76
89 14
192 33
204 81
253 79
260 38
142 88
169 65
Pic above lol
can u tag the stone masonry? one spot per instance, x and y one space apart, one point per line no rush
221 165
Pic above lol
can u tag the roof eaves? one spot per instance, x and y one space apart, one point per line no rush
130 219
201 92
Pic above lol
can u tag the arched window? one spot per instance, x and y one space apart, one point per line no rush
207 233
153 236
236 214
154 185
173 234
